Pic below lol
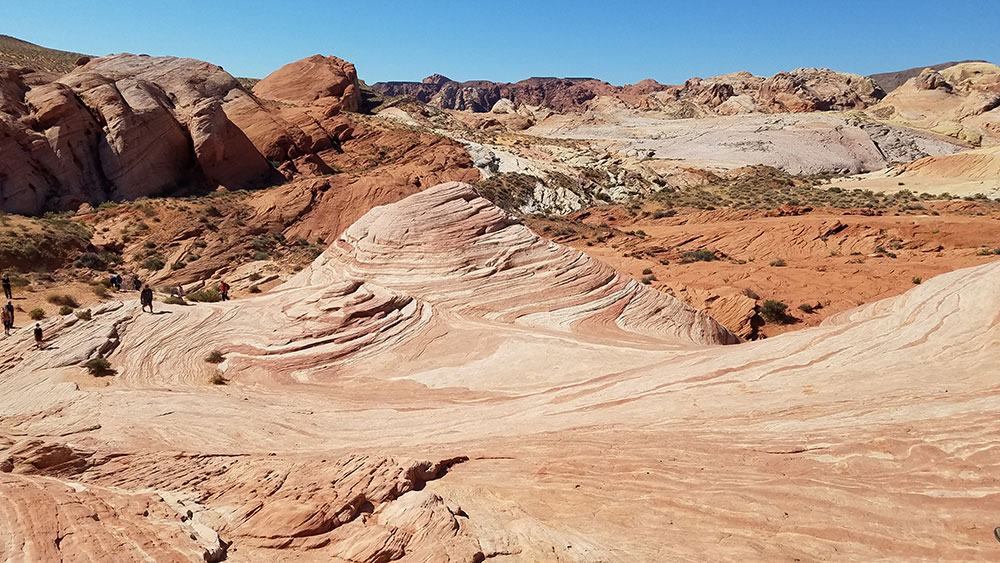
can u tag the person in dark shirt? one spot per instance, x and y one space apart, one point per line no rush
146 298
38 335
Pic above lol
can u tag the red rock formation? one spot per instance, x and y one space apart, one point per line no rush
317 80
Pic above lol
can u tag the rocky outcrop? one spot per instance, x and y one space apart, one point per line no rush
126 126
316 80
961 101
800 90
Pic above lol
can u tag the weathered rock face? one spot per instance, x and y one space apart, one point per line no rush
121 127
127 126
797 91
317 80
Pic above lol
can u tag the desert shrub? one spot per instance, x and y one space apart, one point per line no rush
150 244
779 262
215 357
174 300
773 311
254 276
647 280
254 288
200 243
661 213
665 262
205 296
751 294
152 263
83 315
917 280
701 255
100 290
647 271
36 314
178 265
217 379
65 310
213 211
91 260
64 300
806 308
260 255
97 366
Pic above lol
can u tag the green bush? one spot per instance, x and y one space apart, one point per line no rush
174 300
91 260
779 262
254 288
65 310
647 280
37 314
917 280
100 291
205 296
152 264
64 300
177 265
97 366
806 308
647 271
260 255
773 311
701 255
83 315
751 294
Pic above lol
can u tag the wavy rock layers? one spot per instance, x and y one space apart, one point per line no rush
500 397
460 252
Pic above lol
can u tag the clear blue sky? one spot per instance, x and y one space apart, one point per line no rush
621 42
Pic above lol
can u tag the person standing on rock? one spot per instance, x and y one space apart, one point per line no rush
9 307
180 291
38 335
146 298
6 286
136 284
224 290
7 321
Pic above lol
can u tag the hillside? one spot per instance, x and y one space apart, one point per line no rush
15 52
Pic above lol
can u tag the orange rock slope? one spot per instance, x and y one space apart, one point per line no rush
443 385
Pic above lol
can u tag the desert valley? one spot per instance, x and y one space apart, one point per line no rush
739 318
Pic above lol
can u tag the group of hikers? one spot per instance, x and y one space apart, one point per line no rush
116 281
7 311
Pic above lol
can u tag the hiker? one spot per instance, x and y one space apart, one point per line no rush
136 284
146 298
7 321
224 290
6 286
38 335
180 291
9 307
116 281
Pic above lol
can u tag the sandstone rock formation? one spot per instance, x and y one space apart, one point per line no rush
961 101
315 80
127 126
472 392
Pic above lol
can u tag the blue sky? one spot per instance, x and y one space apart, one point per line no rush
621 42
